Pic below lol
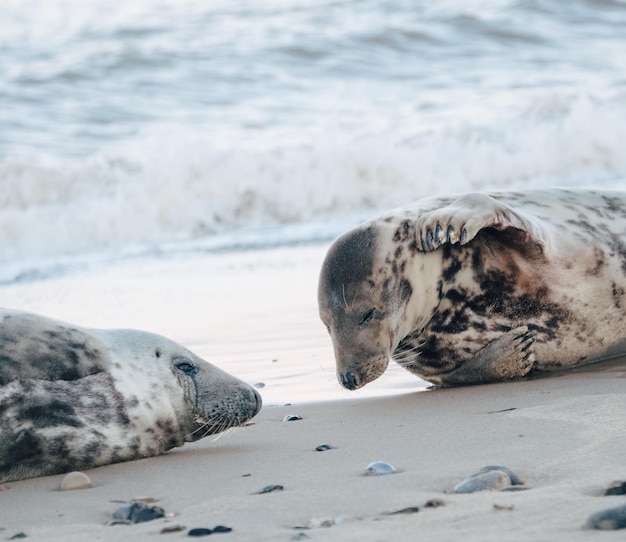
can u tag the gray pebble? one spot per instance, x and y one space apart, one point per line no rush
379 468
493 479
608 520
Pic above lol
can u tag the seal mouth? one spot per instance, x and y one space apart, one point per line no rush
204 426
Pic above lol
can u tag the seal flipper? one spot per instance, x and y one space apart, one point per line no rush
509 356
464 218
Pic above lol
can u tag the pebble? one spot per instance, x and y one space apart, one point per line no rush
616 488
269 489
201 531
18 536
137 513
487 480
324 447
75 480
300 536
608 520
490 477
259 385
172 529
292 418
407 510
434 503
379 468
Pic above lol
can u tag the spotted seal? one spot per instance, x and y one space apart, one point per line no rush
479 287
75 398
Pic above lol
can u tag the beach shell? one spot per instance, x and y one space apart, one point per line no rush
379 468
608 520
75 480
292 418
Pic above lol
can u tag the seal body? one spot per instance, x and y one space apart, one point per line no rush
73 398
479 287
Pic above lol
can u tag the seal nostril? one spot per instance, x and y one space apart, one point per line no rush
259 402
348 381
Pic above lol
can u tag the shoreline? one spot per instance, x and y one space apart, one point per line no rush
564 436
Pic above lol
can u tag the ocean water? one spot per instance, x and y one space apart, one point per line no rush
166 128
137 126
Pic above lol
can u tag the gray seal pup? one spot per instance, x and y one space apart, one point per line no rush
480 287
73 398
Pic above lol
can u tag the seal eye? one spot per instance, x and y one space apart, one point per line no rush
369 316
186 367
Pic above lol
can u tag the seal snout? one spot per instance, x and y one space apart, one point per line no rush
258 404
349 381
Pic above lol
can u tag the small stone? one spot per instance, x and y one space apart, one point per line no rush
316 523
222 529
487 480
616 488
138 513
259 385
379 468
324 447
145 500
515 479
434 503
172 529
408 510
300 536
270 489
292 418
18 536
75 480
608 520
200 531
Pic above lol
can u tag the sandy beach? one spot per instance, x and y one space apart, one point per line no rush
254 314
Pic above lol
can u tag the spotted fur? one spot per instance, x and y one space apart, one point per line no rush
480 287
74 398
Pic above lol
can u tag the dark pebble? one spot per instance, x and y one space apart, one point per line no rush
172 529
222 529
201 531
408 510
269 489
292 418
138 513
608 520
323 447
18 536
616 488
434 503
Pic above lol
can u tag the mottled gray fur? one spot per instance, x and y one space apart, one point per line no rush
74 398
479 287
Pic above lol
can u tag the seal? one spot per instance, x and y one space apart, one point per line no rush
479 287
73 398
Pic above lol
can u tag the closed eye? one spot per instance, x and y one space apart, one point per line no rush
186 367
369 315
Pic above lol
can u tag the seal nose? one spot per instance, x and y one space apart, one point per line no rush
259 402
348 381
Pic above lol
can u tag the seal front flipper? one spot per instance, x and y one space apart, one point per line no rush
509 356
464 218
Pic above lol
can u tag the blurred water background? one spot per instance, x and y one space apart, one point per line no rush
164 125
